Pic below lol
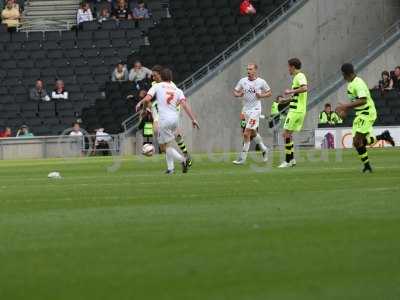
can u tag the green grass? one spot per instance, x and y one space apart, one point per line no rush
319 231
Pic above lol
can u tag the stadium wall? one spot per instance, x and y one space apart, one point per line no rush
323 33
387 60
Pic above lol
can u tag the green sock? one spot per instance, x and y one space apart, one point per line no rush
363 154
181 144
289 150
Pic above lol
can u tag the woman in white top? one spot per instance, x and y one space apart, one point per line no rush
59 92
84 14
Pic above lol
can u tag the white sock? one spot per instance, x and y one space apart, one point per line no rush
246 147
174 155
258 140
170 161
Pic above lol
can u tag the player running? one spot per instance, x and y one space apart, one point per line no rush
364 106
253 89
156 74
169 98
297 109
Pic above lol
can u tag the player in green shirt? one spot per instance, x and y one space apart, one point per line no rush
297 109
364 106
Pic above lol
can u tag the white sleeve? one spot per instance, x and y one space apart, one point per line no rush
239 85
180 96
265 86
153 90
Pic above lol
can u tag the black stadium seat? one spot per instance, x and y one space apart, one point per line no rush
84 58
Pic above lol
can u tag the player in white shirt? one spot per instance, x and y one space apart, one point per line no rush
156 74
253 89
169 99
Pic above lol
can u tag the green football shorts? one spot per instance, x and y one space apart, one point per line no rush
294 121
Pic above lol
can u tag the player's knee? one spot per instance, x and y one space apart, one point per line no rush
247 134
357 142
163 148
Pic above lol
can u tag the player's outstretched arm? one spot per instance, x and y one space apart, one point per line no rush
344 107
302 89
144 101
238 93
264 95
189 112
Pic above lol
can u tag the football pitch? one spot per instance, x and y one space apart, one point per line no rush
121 229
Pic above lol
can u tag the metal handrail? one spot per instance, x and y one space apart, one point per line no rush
45 25
360 60
131 123
228 53
250 36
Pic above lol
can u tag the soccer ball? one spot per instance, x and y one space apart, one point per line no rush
148 150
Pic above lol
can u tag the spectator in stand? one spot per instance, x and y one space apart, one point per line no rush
76 130
104 15
329 117
120 73
6 133
396 78
24 132
39 93
386 83
84 14
10 16
59 92
246 8
101 142
121 11
140 11
139 73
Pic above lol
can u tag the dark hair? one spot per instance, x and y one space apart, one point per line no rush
166 74
328 105
157 68
398 67
295 62
348 69
385 73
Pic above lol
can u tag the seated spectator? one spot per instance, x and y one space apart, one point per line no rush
59 92
140 11
24 132
329 117
121 11
120 73
84 13
101 143
76 130
396 78
246 8
104 15
10 16
39 93
6 133
139 73
386 83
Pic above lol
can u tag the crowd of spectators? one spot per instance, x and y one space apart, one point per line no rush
39 92
328 117
389 80
139 75
115 9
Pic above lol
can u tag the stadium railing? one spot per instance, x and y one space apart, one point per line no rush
247 40
230 53
62 146
361 59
